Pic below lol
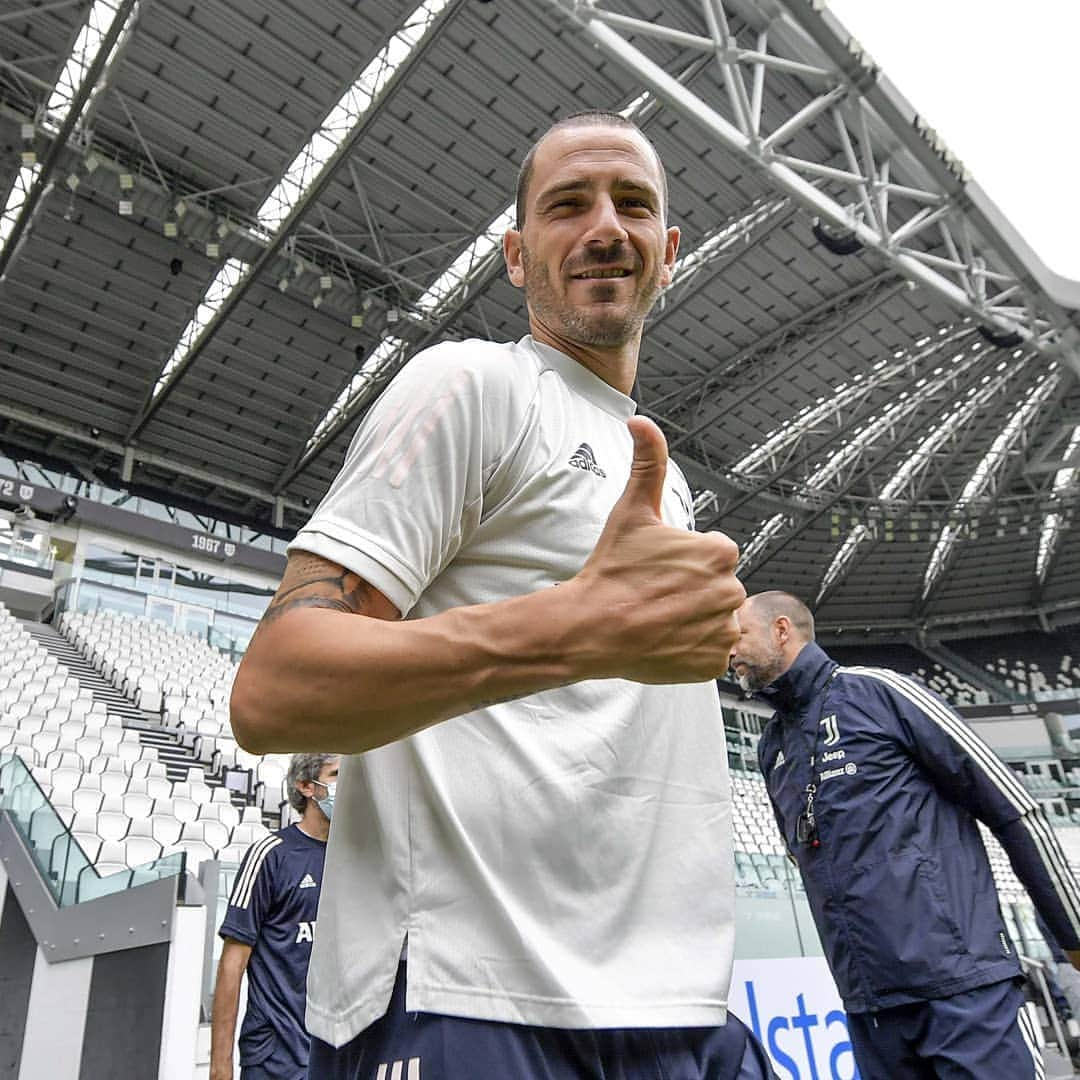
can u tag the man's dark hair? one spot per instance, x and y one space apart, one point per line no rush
591 118
304 768
774 603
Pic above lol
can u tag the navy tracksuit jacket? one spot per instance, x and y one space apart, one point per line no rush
900 885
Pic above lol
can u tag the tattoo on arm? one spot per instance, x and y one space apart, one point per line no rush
311 582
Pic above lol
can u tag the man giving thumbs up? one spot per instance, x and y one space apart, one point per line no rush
501 611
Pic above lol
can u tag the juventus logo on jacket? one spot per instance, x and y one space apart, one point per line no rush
832 730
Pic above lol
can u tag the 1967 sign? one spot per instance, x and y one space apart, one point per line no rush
212 545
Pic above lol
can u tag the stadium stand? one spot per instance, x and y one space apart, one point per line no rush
910 661
105 779
1044 667
144 363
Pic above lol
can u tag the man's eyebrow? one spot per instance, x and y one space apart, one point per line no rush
564 189
637 185
621 184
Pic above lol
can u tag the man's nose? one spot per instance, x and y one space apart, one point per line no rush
605 226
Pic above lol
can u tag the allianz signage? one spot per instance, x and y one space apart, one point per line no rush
793 1008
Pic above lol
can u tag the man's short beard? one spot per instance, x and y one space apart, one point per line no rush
600 329
758 676
610 330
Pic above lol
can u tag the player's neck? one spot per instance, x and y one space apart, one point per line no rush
314 822
616 365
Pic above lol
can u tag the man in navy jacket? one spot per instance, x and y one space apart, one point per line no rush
876 785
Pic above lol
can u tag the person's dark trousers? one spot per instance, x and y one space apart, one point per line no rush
982 1034
427 1046
269 1071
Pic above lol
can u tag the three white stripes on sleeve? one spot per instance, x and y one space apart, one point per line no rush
399 1070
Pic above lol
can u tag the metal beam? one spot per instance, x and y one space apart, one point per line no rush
1059 294
289 224
862 299
867 404
37 9
120 450
876 290
806 521
869 176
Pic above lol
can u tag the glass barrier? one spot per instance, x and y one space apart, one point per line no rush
772 917
67 872
221 890
26 542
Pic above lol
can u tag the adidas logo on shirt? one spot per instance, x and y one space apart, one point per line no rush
307 882
584 458
780 759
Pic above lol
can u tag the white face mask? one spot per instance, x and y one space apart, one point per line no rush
326 805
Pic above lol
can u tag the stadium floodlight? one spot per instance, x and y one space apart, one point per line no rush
838 241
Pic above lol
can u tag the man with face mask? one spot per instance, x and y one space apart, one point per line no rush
268 930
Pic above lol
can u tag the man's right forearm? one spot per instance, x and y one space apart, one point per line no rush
223 1020
326 680
332 669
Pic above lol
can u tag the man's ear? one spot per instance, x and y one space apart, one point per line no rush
671 250
512 256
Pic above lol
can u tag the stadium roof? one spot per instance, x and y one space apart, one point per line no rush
224 227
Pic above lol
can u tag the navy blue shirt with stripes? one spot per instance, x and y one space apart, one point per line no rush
272 908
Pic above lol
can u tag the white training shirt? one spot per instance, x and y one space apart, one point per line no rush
561 860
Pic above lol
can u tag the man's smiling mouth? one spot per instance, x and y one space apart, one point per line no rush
612 272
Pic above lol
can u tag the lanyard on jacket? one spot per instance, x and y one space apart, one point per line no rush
806 830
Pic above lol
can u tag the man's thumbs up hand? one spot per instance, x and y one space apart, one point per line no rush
644 490
660 602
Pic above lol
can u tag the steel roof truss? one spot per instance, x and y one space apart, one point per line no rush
78 106
290 201
975 277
